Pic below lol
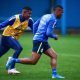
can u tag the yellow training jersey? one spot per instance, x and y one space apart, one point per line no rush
17 29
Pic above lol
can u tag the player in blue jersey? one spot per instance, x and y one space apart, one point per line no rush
42 30
14 28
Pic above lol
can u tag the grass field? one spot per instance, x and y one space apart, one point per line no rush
68 50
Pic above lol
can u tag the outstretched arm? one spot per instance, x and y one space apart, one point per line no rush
9 21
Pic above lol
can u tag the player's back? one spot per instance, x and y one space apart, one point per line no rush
40 27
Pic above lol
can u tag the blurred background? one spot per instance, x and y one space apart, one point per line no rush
70 23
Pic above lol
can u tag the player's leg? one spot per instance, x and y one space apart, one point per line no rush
32 61
36 54
3 46
14 44
53 56
4 50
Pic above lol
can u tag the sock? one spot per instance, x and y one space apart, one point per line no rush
13 62
17 60
54 71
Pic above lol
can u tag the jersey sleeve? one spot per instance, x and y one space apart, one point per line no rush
50 29
30 24
9 21
35 26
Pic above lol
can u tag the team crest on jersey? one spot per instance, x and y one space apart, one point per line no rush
54 25
19 28
42 50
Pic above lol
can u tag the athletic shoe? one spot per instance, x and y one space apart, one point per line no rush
57 76
13 71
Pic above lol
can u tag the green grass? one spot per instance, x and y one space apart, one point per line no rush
68 50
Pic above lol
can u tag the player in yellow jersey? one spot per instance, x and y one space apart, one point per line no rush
14 28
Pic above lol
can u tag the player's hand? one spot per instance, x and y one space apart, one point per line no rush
56 37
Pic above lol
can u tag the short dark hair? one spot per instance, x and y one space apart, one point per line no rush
57 7
27 8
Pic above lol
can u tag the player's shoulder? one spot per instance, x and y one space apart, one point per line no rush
31 20
17 14
12 18
49 17
46 16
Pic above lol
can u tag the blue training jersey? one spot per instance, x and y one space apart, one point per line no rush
43 27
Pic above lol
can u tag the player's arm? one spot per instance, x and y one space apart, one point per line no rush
50 28
9 21
30 24
35 26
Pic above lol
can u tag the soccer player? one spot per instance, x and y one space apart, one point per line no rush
14 28
43 29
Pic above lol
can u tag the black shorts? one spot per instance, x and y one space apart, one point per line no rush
40 47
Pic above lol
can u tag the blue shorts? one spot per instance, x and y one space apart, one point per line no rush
40 47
